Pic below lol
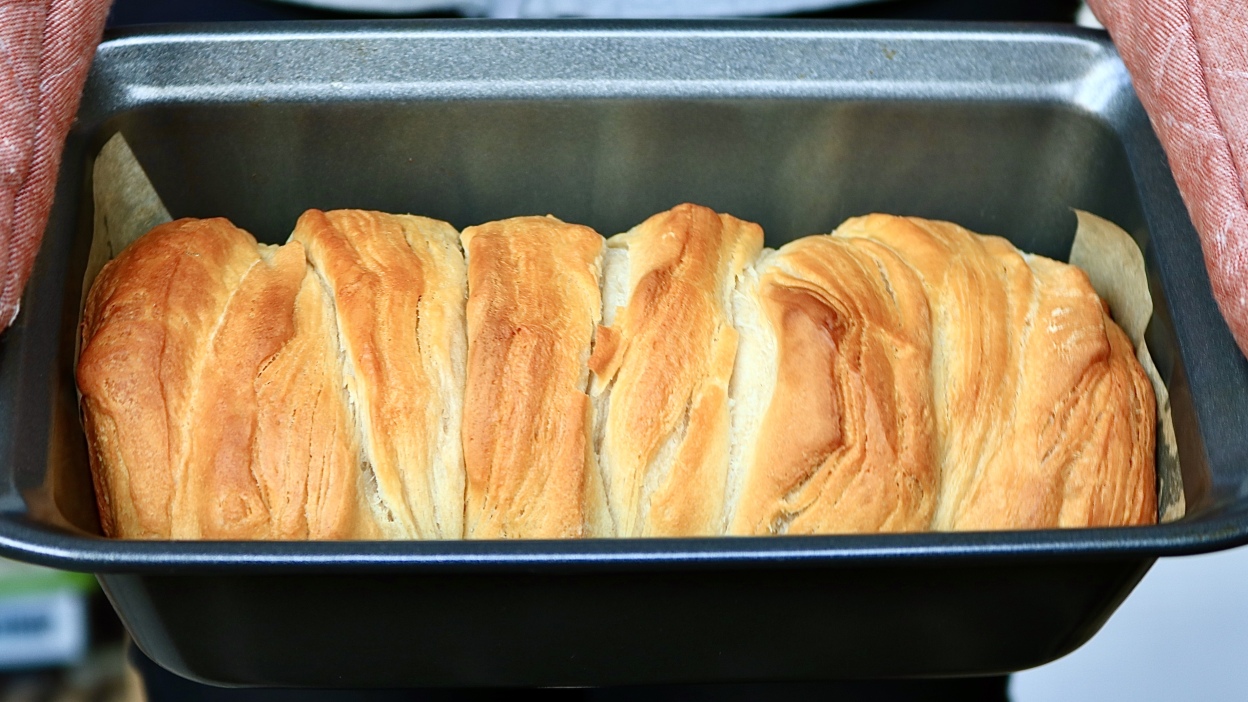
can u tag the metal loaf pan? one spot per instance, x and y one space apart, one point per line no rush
793 125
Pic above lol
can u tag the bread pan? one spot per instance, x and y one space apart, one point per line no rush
793 125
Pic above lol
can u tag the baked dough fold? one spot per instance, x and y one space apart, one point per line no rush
833 412
662 368
1044 417
533 304
232 390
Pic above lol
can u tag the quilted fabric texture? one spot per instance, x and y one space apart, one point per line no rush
1189 62
45 51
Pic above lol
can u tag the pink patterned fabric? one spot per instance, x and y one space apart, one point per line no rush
45 50
1189 62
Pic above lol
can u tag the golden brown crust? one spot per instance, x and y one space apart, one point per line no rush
213 379
899 374
220 495
143 329
847 443
533 304
307 451
398 289
663 368
1045 417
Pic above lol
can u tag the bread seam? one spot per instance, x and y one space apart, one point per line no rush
382 511
447 433
594 481
743 437
430 477
598 389
364 479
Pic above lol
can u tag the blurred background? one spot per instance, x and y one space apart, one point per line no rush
129 12
1181 635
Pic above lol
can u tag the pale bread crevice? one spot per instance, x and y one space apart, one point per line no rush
365 478
388 523
752 384
598 520
659 472
615 284
443 251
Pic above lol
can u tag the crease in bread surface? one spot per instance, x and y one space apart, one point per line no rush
307 448
1044 418
533 305
661 370
833 405
397 284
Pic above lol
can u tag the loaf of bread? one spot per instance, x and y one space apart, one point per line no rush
383 376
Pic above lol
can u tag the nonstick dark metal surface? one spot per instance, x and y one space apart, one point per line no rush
795 125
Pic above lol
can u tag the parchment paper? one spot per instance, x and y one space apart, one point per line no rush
1115 265
127 206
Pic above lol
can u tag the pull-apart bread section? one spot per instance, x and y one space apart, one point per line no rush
662 364
1044 417
189 336
533 305
229 389
832 414
398 284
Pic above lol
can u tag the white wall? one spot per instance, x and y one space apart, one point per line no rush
1182 635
